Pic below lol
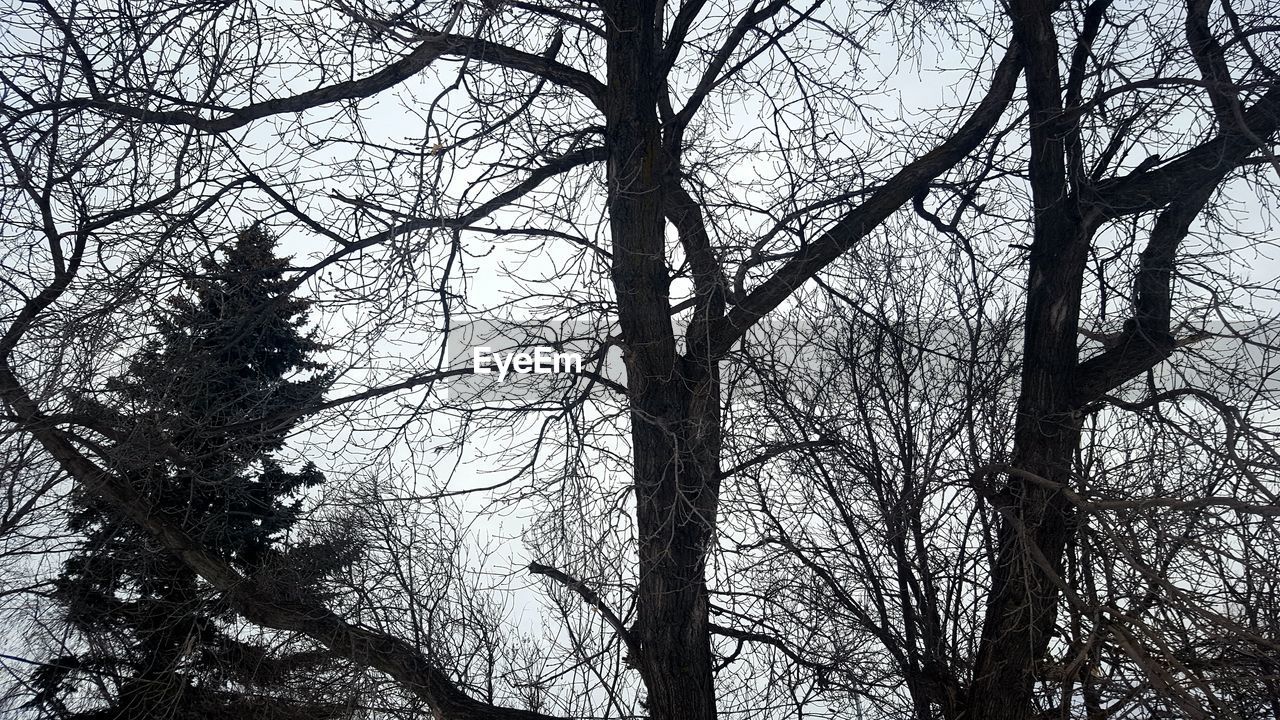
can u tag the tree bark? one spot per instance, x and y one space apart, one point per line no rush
1037 522
674 402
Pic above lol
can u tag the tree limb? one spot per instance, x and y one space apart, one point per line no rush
592 599
860 221
1156 188
431 48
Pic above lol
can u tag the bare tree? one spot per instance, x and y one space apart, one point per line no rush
660 183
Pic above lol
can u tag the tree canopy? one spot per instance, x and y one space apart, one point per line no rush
927 346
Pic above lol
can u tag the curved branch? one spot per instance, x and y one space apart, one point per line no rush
431 48
1156 188
591 598
860 221
536 177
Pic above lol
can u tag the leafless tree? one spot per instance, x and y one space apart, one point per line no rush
1003 497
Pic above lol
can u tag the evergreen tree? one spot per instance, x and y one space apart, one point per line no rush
202 405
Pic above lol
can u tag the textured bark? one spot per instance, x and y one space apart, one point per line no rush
674 401
1038 521
1023 599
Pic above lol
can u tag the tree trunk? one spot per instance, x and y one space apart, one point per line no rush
1037 521
674 402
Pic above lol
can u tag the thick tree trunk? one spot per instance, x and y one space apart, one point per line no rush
1037 522
674 402
676 503
1021 609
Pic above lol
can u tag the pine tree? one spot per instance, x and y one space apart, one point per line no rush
206 407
